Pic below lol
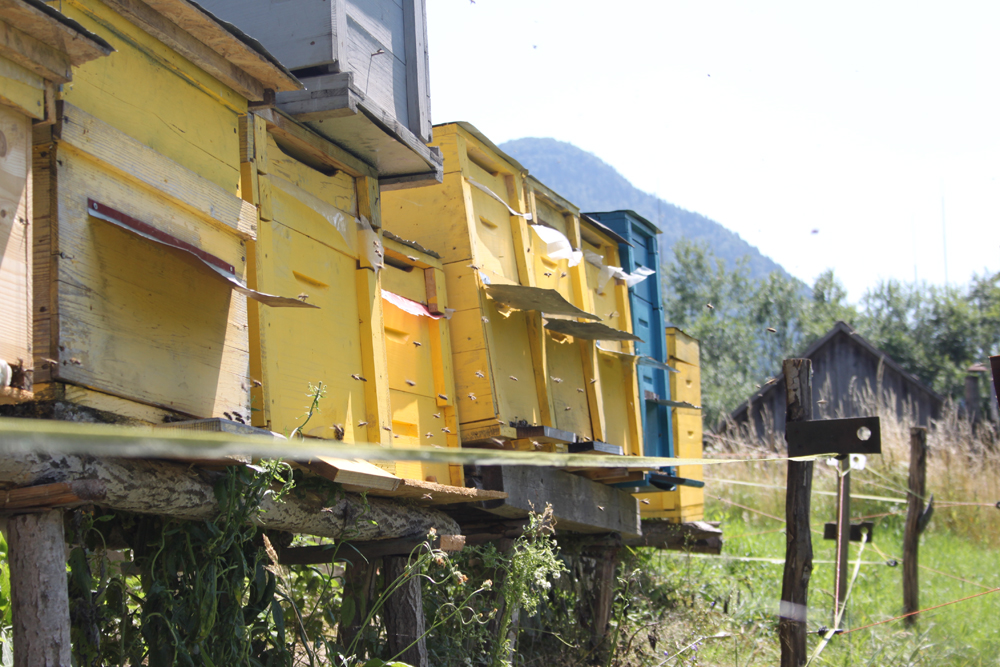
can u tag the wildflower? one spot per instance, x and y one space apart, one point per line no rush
488 584
461 578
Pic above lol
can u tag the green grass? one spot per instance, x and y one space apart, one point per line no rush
691 598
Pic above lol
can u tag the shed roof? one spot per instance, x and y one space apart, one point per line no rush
645 221
858 340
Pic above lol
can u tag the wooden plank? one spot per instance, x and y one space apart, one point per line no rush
408 181
431 493
700 537
168 32
79 45
373 356
570 407
312 144
417 89
369 200
96 400
579 504
193 20
32 54
633 409
355 476
131 160
43 231
352 552
52 495
16 240
260 144
592 384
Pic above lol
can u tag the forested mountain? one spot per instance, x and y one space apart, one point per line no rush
594 185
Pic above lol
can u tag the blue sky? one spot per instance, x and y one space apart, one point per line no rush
773 118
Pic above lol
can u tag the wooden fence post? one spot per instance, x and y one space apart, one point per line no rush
404 614
36 553
911 536
843 534
798 550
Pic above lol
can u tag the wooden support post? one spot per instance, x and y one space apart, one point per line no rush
357 595
404 614
36 552
843 535
604 592
911 535
798 550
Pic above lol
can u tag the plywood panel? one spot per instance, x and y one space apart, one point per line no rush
482 406
154 95
606 302
15 237
311 346
566 380
135 320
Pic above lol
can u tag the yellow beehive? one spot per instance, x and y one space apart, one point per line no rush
618 385
39 52
418 352
686 503
514 378
139 301
316 241
476 220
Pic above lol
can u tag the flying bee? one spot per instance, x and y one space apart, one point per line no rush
513 378
358 377
442 397
480 374
486 319
772 330
360 424
411 383
472 396
645 501
428 435
417 343
446 430
302 297
555 379
437 415
548 274
580 389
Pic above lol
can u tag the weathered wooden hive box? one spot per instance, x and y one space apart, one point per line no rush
478 220
686 503
40 49
418 353
141 236
364 67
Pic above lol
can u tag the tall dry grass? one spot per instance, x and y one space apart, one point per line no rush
963 465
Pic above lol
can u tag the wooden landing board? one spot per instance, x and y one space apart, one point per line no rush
356 476
579 504
429 493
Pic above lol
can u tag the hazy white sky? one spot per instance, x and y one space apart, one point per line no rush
772 118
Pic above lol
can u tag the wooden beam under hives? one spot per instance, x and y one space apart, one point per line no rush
182 492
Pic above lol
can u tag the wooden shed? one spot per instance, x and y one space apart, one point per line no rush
364 66
141 235
39 50
849 375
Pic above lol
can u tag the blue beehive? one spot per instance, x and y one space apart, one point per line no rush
646 301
